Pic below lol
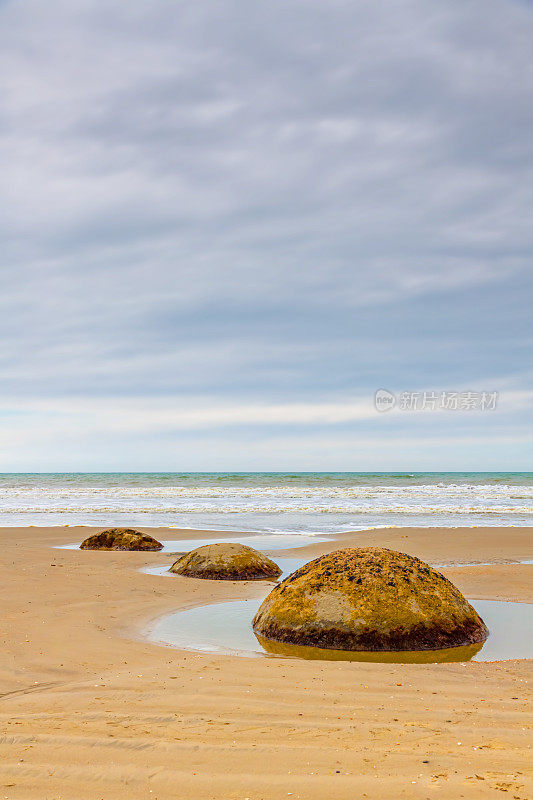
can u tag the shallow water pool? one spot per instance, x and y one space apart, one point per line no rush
225 628
287 565
274 541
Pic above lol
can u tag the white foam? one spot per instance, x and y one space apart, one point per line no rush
288 509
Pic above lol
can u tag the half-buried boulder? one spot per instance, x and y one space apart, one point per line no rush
372 599
121 539
226 562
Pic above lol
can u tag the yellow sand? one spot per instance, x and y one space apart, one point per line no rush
89 711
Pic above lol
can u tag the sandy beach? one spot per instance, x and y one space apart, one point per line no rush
90 709
266 292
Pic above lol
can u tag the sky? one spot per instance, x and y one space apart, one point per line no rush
226 224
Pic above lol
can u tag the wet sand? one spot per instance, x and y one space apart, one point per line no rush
90 710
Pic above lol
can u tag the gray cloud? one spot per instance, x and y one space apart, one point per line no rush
292 201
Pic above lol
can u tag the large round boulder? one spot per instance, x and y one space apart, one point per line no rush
121 539
226 562
372 599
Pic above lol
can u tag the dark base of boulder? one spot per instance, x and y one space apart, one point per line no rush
242 575
418 638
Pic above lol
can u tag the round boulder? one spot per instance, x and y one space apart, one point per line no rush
226 562
372 599
121 539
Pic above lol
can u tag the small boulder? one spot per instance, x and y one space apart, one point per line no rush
121 539
369 599
226 562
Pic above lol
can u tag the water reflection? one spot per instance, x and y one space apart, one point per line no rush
466 653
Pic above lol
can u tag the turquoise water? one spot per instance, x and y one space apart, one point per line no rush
276 502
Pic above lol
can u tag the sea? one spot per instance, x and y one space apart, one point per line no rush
268 502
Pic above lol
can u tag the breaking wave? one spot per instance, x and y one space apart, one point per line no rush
252 501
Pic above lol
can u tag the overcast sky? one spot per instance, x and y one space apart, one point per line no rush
226 224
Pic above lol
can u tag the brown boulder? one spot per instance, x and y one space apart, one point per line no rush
371 599
121 539
226 562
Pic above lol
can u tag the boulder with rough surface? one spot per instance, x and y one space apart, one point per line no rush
228 562
371 599
121 539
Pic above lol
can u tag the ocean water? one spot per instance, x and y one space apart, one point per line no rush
311 502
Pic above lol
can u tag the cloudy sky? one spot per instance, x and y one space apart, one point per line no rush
226 224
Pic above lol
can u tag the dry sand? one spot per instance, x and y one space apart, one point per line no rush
90 711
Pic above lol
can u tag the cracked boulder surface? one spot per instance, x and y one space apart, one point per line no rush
369 599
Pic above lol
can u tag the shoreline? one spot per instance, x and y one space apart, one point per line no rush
93 713
259 531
